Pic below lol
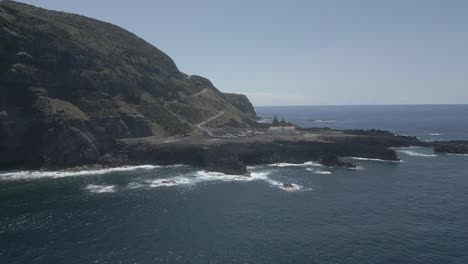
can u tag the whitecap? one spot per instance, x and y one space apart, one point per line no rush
293 188
100 188
23 175
305 164
435 134
175 181
323 172
379 160
209 176
455 154
416 154
319 171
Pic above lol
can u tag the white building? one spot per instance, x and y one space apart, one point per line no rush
282 130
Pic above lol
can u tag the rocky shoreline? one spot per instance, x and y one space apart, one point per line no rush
233 156
451 147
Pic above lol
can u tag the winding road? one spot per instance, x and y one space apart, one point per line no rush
200 125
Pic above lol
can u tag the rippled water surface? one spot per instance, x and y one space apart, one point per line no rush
414 211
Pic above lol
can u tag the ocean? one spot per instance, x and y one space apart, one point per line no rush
414 211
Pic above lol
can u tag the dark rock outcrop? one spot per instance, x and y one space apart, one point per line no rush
70 86
452 147
331 160
241 102
232 158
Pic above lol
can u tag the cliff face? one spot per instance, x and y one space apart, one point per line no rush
71 85
241 102
232 156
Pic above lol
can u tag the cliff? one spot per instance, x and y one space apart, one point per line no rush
71 85
241 102
452 147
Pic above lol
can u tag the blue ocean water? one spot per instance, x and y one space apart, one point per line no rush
415 211
428 122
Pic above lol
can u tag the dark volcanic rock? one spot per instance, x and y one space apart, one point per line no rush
241 102
453 147
333 161
232 158
71 85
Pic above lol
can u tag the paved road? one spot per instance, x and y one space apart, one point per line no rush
192 95
200 125
201 92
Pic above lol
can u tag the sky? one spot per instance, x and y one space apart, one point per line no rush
327 52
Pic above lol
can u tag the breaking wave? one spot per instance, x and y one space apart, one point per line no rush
455 154
100 188
305 164
30 175
435 134
416 154
319 171
208 176
379 160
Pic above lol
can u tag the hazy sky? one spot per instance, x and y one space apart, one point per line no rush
306 52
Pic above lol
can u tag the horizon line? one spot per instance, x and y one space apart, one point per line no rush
416 104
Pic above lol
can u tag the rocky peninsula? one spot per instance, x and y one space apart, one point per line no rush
75 91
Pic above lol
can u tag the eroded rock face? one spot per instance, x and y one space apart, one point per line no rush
452 147
48 131
331 160
71 146
232 158
70 86
241 102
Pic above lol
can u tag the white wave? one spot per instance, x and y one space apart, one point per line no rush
175 181
435 134
416 154
208 176
30 175
319 171
455 154
323 172
305 164
293 188
379 160
100 188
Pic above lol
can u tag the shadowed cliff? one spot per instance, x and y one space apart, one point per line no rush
71 85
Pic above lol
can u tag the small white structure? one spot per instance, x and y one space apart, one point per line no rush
282 130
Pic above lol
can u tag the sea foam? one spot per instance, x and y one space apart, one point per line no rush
379 160
93 188
416 154
323 172
201 176
455 154
305 164
31 175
